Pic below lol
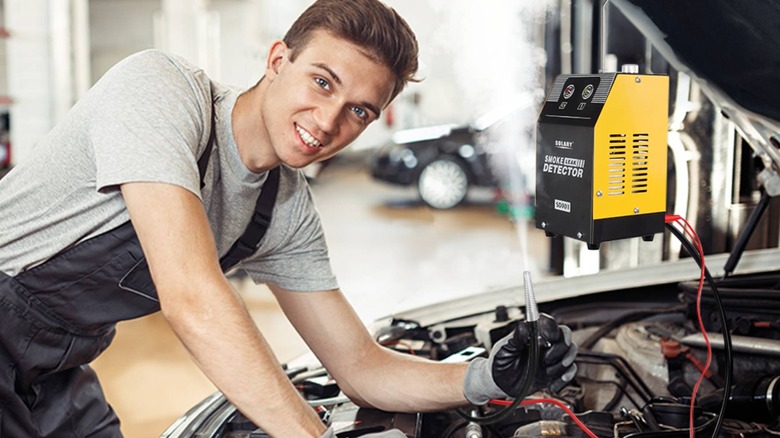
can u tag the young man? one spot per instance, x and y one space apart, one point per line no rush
146 192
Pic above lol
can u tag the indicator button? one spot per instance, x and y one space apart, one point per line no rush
568 91
588 91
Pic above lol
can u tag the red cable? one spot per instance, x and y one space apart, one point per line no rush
695 239
697 363
550 401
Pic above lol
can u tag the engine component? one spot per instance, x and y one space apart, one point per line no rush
349 420
757 399
489 332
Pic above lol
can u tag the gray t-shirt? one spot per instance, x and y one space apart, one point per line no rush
149 119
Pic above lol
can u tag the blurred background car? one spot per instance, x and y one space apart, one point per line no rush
443 162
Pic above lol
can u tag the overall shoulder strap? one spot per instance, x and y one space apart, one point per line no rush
247 244
203 161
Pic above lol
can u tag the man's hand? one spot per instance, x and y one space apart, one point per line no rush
501 375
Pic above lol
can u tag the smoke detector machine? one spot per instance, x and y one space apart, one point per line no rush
601 157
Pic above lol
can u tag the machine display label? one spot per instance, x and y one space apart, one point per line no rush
567 166
563 205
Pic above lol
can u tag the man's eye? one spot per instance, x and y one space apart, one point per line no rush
322 83
360 112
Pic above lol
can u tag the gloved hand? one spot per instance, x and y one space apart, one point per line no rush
392 433
501 374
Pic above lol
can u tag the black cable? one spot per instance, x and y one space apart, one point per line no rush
534 354
620 390
588 343
747 233
692 251
681 433
616 398
622 366
493 431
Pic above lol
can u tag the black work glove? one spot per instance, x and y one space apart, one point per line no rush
501 375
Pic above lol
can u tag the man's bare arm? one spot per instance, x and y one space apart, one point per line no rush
206 313
367 372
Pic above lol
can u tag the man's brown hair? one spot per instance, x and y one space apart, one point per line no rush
369 24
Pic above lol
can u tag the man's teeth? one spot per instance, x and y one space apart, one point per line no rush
307 138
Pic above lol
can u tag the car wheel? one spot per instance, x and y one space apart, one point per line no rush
443 183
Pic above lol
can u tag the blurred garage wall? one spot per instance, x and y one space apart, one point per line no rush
56 49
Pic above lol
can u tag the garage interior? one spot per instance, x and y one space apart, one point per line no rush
393 253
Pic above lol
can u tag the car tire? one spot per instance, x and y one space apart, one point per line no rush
443 183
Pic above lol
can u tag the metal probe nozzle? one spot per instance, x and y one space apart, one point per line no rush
531 311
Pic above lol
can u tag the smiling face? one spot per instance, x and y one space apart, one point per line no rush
311 108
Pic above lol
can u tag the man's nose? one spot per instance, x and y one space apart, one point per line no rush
327 117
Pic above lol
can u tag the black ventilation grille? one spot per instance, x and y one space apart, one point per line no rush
640 161
617 165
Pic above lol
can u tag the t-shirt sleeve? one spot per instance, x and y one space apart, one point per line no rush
151 123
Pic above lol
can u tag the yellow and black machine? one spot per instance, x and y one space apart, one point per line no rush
601 157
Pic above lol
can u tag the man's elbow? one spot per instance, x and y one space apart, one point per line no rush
366 397
357 399
188 305
362 384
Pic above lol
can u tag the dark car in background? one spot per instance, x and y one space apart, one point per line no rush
442 162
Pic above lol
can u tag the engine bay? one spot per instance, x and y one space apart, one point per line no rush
640 355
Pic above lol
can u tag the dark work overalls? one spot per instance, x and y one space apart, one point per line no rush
57 317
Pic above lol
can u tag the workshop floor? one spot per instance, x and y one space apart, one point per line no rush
390 252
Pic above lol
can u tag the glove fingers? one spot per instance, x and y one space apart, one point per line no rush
520 334
558 368
501 343
564 379
569 375
549 329
560 349
568 359
558 384
566 333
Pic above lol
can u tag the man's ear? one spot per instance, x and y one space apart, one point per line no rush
277 55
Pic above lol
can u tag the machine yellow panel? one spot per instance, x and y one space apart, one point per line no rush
629 162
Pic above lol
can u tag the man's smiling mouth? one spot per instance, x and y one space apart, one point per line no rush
308 138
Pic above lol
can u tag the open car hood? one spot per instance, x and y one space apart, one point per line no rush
733 45
731 49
